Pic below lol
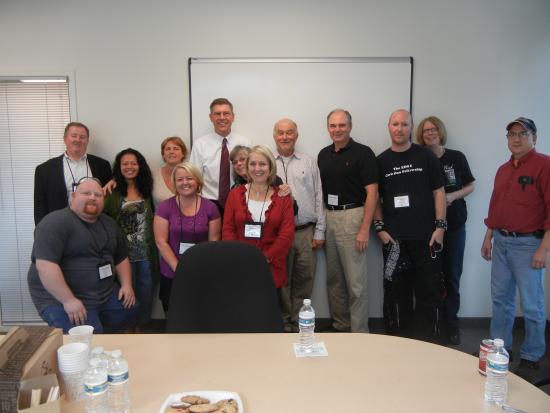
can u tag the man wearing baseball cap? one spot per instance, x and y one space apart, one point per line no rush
518 242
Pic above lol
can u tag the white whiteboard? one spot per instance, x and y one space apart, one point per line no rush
306 90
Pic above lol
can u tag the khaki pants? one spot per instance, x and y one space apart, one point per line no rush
301 262
346 271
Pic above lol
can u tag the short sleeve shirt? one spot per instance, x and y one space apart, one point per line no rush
182 228
457 175
79 248
347 172
407 182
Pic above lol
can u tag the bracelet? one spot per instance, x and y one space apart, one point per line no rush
379 225
441 223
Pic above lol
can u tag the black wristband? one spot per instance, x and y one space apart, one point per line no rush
441 223
379 225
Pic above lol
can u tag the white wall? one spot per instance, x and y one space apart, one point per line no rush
478 64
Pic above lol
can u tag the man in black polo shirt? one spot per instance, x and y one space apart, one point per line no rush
410 222
349 176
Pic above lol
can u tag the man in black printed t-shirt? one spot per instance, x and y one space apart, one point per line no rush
410 222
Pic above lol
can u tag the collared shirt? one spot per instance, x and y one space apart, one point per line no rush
206 154
347 172
301 173
521 196
74 171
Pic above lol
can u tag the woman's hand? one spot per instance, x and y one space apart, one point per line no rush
284 190
109 187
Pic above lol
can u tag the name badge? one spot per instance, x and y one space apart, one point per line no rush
105 270
401 201
332 200
184 246
253 230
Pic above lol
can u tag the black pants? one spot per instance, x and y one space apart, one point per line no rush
164 292
414 296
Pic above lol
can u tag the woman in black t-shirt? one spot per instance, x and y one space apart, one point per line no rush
459 183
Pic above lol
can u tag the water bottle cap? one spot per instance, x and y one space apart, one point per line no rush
116 353
498 342
94 362
307 301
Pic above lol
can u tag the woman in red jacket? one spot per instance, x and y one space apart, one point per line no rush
255 214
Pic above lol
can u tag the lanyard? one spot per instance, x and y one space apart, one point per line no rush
71 171
178 202
285 167
263 205
94 240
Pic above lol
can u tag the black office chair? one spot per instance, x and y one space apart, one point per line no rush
223 287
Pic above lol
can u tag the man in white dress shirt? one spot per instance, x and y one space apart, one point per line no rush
210 153
301 173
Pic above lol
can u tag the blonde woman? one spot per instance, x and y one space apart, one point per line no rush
182 221
255 214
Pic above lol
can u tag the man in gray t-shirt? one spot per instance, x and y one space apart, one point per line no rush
76 254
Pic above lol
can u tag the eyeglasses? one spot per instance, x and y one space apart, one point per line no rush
431 130
523 134
84 179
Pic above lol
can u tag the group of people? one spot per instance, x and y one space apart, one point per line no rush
101 268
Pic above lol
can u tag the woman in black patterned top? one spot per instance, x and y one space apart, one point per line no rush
130 204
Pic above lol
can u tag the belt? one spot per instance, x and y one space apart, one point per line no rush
345 206
300 227
537 234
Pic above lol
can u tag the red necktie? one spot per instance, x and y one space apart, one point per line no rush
223 188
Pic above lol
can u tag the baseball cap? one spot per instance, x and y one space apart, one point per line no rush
527 123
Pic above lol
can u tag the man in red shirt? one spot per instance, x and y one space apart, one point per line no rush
518 224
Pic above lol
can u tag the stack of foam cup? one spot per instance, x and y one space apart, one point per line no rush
72 360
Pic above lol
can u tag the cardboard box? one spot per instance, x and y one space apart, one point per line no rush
26 353
43 361
41 382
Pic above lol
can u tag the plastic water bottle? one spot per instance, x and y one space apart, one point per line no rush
118 394
496 383
99 353
306 322
95 387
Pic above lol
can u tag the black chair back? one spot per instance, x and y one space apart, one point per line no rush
223 287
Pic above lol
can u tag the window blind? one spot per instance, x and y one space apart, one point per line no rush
33 116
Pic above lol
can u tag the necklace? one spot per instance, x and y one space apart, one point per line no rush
260 190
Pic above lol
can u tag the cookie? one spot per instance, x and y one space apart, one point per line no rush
203 408
192 399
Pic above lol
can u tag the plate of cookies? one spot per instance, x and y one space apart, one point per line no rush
203 402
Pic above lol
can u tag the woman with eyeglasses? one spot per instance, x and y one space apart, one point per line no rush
256 214
182 221
459 183
131 206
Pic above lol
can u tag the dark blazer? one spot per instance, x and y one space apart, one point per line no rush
50 192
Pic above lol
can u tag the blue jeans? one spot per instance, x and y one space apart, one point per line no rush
142 281
453 256
512 266
110 317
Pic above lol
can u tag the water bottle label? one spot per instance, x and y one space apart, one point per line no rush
496 366
118 378
306 322
94 389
